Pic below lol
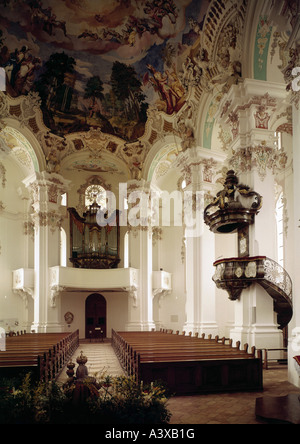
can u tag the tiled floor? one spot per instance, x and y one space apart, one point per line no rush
226 408
229 408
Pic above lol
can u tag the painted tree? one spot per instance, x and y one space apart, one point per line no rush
128 89
53 78
94 90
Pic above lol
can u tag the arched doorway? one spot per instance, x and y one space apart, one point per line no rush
95 316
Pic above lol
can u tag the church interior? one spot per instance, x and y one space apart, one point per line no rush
150 176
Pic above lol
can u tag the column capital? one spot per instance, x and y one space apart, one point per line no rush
54 185
138 185
251 111
45 191
252 92
260 158
200 167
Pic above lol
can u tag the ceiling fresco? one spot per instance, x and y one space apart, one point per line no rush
99 80
99 63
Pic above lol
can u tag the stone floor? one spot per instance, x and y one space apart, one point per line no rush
230 408
225 408
101 359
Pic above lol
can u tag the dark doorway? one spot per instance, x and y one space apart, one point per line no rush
95 316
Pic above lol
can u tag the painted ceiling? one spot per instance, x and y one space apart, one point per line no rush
99 63
101 80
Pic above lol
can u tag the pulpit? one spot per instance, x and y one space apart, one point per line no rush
92 245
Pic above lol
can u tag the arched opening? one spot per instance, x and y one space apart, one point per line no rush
95 316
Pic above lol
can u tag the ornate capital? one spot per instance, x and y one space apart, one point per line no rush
262 158
51 219
46 191
198 168
46 188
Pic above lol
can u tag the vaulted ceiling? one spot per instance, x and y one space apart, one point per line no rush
110 78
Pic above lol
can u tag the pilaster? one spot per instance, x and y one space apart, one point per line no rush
162 287
140 306
46 190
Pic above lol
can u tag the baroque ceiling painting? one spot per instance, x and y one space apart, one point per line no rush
115 76
98 64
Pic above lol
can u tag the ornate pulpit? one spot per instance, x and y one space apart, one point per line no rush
233 210
94 246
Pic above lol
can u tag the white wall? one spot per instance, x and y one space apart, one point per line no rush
172 312
117 311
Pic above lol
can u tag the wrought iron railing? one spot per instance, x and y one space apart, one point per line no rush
278 276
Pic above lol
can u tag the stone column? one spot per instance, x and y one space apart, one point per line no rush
46 190
201 291
140 304
200 243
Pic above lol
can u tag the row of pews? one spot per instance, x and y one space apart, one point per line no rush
188 364
43 354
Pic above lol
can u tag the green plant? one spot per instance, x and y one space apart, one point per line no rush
122 400
99 400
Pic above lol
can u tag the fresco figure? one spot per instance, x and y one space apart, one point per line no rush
169 88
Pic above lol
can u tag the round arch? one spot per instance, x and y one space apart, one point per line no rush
171 143
23 144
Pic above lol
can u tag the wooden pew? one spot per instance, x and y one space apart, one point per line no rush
145 355
44 353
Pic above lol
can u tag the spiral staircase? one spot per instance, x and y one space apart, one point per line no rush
234 209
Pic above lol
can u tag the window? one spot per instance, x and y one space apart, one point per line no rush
64 200
278 140
280 230
95 193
